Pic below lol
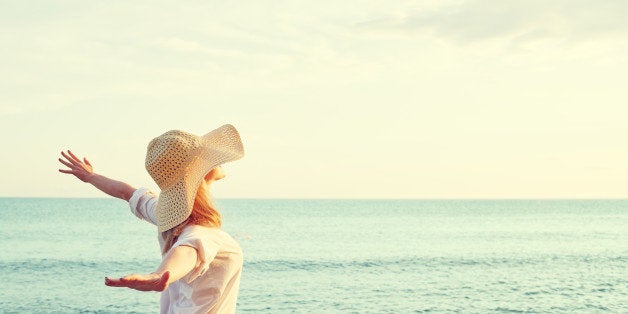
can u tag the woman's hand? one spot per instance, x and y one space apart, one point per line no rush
148 282
85 172
80 169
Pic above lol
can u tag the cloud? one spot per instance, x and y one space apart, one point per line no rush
523 20
178 44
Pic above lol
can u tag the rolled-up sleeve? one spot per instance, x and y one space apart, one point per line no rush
143 204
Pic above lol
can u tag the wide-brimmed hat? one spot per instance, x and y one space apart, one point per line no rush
178 161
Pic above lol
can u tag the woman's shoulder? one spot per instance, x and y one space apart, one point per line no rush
198 230
193 229
213 235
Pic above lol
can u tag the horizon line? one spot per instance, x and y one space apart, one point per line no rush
359 199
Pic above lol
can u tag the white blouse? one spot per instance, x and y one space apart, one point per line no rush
212 286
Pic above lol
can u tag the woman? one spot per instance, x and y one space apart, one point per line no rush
201 264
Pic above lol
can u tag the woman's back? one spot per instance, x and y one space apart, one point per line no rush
212 286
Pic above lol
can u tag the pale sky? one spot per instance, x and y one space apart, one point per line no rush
333 99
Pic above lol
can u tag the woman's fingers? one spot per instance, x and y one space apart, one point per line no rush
130 278
74 163
70 159
116 282
113 282
69 165
74 158
66 156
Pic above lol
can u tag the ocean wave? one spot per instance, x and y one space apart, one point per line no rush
405 263
390 264
35 265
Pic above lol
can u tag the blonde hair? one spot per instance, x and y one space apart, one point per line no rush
204 213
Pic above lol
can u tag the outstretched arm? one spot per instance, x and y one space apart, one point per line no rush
84 171
177 263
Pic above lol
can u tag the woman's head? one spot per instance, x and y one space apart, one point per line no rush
180 162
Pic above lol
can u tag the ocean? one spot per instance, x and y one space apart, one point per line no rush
334 256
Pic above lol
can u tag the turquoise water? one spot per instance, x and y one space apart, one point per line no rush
334 256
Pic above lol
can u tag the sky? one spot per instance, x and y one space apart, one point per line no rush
333 99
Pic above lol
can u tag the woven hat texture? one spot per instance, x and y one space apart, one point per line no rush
178 161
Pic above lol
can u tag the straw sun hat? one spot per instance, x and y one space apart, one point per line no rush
178 161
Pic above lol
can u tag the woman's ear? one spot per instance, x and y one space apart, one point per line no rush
210 175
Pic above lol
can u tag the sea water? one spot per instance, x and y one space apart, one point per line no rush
334 256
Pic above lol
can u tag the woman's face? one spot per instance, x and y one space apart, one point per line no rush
215 174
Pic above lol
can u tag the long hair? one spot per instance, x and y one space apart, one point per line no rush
204 213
